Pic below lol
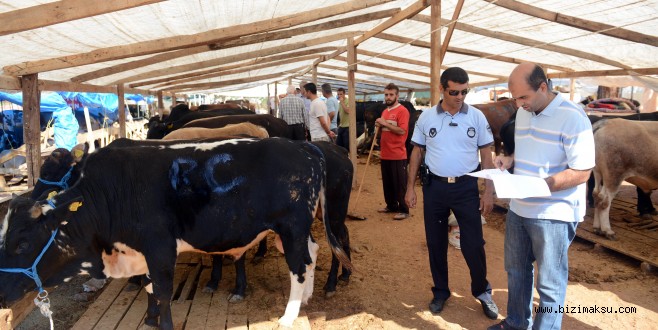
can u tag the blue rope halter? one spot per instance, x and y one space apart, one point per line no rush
63 182
32 271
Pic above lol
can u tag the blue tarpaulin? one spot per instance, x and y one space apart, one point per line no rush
52 106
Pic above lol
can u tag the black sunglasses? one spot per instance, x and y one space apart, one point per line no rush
455 93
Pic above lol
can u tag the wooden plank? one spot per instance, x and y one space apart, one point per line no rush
464 51
648 256
96 311
602 73
134 317
219 305
32 126
246 40
116 311
225 69
410 11
237 313
525 41
179 313
189 283
451 28
587 25
196 319
178 42
59 12
236 58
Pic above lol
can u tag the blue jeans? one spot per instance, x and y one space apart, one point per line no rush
547 242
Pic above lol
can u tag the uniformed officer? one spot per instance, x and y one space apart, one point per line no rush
451 134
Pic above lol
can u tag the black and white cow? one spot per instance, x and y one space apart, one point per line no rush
205 197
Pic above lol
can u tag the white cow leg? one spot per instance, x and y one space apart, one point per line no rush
294 302
310 271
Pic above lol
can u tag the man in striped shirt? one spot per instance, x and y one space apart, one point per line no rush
553 141
292 111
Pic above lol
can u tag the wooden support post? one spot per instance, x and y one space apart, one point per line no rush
315 75
351 91
122 110
269 110
572 88
435 52
32 126
90 131
160 110
276 99
173 100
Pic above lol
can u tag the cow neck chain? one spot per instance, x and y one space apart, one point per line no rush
41 301
63 182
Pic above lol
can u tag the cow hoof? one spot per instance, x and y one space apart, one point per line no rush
150 323
611 236
646 216
329 294
344 279
286 322
132 287
257 260
235 298
208 289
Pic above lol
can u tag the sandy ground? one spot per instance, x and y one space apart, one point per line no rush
391 288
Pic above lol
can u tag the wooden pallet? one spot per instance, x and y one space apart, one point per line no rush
192 308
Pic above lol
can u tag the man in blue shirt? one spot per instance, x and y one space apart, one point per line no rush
554 141
453 135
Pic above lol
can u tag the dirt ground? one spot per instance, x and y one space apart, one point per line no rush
391 287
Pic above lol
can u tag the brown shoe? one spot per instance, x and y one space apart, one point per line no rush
401 216
385 210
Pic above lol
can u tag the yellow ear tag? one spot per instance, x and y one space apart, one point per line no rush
52 194
78 153
74 206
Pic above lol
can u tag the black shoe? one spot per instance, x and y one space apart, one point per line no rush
436 305
503 325
490 309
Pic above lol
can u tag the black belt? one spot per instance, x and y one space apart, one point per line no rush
454 179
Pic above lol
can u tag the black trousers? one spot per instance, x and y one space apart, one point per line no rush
394 179
343 137
463 199
298 132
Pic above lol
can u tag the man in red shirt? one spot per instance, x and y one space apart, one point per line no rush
394 126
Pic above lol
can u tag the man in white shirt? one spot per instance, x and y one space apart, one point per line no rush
318 118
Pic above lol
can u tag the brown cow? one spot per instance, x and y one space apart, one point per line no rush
623 152
498 113
189 133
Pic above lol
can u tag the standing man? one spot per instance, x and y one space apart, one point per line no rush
291 109
394 125
343 138
332 106
553 141
452 134
318 118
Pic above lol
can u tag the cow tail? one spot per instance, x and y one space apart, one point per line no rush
336 248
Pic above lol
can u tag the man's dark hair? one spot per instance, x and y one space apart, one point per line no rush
537 77
297 90
454 74
341 89
326 88
310 87
394 87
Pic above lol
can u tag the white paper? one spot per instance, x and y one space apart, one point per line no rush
514 186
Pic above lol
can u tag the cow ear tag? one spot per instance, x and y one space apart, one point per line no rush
52 194
78 153
74 206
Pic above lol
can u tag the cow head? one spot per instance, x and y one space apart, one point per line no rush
59 170
157 128
25 234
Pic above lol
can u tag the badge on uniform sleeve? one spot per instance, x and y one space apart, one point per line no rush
471 132
432 132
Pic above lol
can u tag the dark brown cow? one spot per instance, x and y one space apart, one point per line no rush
498 113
